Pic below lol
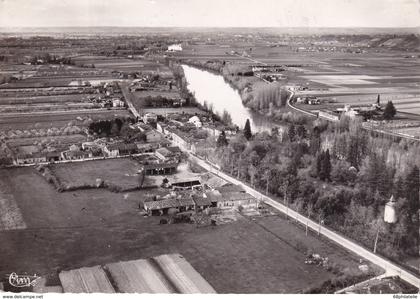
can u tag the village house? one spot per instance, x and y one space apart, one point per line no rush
195 120
329 115
116 102
179 201
120 149
111 150
179 141
150 118
75 155
161 207
168 153
185 183
201 202
236 200
53 156
175 48
232 197
22 159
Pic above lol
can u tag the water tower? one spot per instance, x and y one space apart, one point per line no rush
390 215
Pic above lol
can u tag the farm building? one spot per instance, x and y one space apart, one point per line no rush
232 197
182 202
168 153
212 181
117 149
161 207
22 159
202 202
53 156
235 200
185 183
196 121
214 196
75 155
328 115
117 103
160 168
230 188
175 48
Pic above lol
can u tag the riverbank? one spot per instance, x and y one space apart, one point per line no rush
267 100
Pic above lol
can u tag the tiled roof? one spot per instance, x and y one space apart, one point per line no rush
169 203
201 201
161 204
214 196
234 196
230 188
159 165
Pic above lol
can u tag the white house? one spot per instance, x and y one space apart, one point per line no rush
196 121
175 48
117 103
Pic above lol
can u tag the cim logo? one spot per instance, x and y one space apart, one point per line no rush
21 281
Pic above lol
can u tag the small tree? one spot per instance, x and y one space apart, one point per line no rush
327 165
323 165
292 133
226 118
301 131
222 140
389 111
247 130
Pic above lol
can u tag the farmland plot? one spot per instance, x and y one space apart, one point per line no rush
86 280
117 172
10 215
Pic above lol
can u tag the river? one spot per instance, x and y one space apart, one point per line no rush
212 89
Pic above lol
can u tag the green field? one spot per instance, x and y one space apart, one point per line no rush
75 229
117 172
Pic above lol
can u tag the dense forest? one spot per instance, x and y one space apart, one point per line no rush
336 173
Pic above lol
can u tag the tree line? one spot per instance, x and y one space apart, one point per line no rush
337 173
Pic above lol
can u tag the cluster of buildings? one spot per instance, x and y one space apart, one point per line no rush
99 148
310 100
190 131
269 73
108 95
226 197
351 112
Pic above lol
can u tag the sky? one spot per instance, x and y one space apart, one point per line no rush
210 13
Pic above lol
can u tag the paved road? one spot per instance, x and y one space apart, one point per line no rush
291 94
390 268
128 98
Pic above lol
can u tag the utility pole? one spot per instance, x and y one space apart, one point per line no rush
268 178
309 208
376 240
320 224
239 165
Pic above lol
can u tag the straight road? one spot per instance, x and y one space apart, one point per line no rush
390 268
128 99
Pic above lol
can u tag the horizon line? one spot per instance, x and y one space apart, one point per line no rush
169 26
